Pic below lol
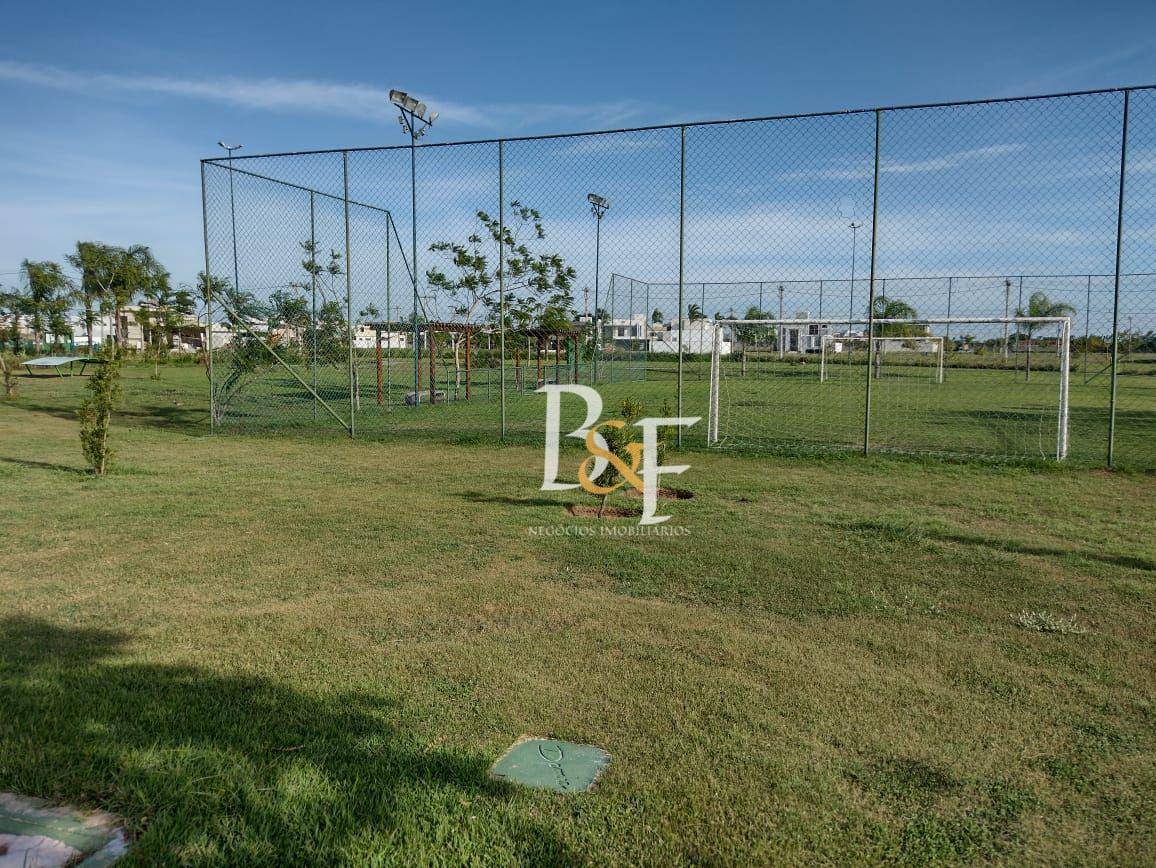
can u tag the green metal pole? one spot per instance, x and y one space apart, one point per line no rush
348 294
313 308
871 290
208 308
413 243
388 312
502 283
1116 284
681 265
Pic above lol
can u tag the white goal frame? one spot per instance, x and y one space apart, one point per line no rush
939 341
1065 353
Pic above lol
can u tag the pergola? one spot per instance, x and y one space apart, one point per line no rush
543 338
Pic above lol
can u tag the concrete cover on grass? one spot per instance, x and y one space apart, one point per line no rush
549 764
34 835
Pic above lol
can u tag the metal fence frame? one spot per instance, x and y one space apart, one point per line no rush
879 116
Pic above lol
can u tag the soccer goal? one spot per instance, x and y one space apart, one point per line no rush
924 352
998 387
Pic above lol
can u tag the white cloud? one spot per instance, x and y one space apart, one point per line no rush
307 96
949 160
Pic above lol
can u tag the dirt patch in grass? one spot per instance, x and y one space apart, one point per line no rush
582 510
665 493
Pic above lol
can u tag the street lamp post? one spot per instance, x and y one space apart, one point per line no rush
415 120
598 207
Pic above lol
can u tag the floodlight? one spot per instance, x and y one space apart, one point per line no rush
433 116
419 109
597 201
221 143
398 97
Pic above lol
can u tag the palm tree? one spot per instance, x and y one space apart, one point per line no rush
47 299
13 305
1039 305
95 263
891 308
894 308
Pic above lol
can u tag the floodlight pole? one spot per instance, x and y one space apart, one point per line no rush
412 113
1116 283
409 125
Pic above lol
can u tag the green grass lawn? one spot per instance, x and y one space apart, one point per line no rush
985 412
307 649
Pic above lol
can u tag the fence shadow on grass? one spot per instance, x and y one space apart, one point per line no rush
914 531
45 465
508 499
229 769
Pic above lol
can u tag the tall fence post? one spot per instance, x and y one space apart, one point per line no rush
1087 326
388 307
313 303
1116 282
502 283
208 306
871 291
349 296
681 264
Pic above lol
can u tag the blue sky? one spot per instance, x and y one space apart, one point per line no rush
109 106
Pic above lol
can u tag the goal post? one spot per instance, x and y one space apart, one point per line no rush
1002 409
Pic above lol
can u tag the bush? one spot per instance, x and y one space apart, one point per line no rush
96 412
8 376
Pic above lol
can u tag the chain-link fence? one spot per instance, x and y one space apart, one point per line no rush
898 279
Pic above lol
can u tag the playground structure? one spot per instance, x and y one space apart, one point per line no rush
536 351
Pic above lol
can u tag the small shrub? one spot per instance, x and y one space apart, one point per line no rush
1045 622
8 377
96 412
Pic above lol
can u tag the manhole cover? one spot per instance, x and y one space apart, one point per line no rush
549 764
34 834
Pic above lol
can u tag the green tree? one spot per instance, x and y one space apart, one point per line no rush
98 265
289 312
1039 305
754 334
96 411
111 277
694 312
168 310
214 287
46 299
538 283
895 308
325 297
13 304
657 316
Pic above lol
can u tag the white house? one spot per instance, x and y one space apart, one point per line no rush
694 336
365 338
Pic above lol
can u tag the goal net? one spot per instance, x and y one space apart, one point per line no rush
994 387
922 353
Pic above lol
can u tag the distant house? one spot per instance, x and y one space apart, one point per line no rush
694 336
365 337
